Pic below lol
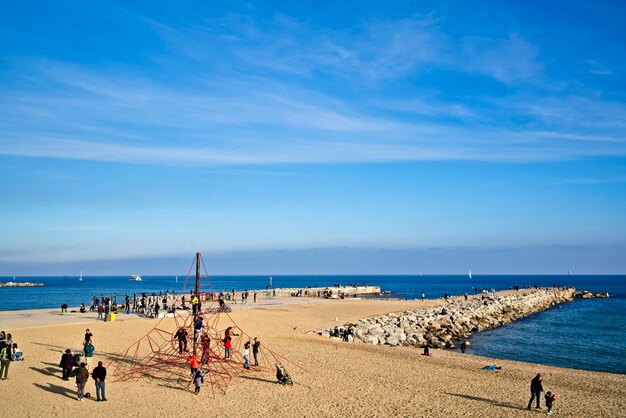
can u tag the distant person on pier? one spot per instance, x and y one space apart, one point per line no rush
465 295
423 296
66 364
536 388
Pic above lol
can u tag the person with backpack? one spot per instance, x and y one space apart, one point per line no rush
99 374
5 361
82 376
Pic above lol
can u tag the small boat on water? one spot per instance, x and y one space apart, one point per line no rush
80 279
470 274
134 278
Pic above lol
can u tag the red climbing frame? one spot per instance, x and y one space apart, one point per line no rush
157 355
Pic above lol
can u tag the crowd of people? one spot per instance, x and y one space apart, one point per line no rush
72 365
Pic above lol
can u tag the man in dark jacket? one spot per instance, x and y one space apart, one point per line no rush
67 363
99 374
535 391
82 376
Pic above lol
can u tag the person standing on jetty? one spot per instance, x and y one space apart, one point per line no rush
99 374
82 376
536 388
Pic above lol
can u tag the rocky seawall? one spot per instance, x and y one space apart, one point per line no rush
20 284
441 326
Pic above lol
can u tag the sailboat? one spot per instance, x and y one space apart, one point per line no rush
569 272
80 279
470 274
176 279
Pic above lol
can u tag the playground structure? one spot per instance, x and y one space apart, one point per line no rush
164 354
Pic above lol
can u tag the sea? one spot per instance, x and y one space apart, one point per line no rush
585 334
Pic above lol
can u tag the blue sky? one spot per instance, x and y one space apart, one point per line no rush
318 137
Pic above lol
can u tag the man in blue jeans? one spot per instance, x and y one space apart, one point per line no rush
99 374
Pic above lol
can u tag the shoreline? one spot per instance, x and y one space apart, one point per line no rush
339 380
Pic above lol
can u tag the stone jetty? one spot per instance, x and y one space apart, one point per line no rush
20 284
452 320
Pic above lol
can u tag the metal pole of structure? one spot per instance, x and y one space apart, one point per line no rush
196 294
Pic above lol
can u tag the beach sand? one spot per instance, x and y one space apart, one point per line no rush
341 379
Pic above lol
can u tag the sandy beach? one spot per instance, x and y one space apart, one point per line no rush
340 379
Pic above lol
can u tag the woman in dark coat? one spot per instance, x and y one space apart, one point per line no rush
535 391
67 363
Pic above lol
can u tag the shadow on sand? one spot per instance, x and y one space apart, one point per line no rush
489 401
59 390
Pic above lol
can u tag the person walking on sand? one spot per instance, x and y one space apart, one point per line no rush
67 363
228 343
255 351
99 374
82 376
5 362
100 312
550 398
254 297
88 349
536 388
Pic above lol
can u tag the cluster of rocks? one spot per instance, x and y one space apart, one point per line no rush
439 327
20 284
585 294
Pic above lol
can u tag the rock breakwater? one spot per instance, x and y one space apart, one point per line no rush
441 326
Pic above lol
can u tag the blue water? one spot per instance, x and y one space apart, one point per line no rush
587 334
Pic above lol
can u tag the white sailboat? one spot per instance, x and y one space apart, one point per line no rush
176 279
569 272
470 274
80 279
134 278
